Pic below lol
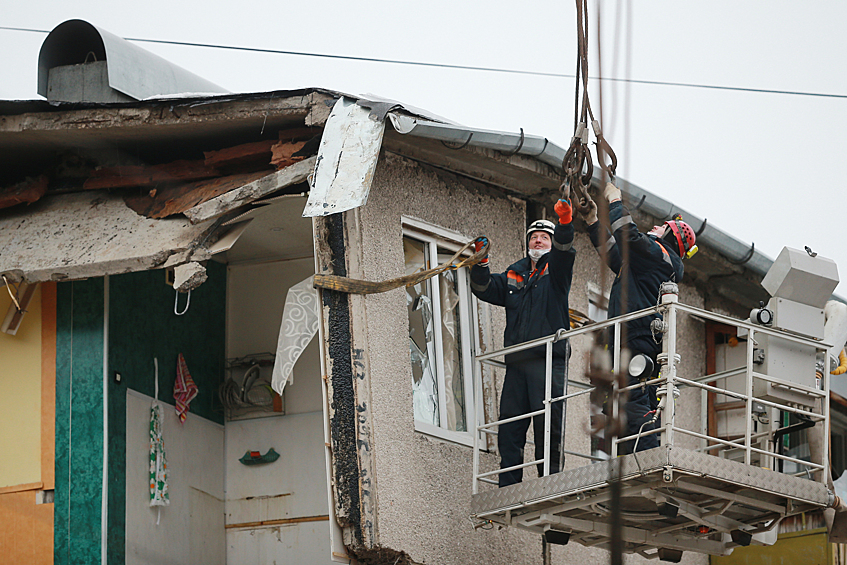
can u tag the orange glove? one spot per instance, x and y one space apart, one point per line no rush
564 211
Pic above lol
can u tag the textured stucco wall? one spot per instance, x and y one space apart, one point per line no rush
421 485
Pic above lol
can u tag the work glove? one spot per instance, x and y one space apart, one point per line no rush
611 193
590 213
478 244
564 211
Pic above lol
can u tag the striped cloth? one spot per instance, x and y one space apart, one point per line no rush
184 388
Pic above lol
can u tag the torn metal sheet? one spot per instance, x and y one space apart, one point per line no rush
346 160
290 175
228 238
88 234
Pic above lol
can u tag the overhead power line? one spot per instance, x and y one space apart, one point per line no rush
458 67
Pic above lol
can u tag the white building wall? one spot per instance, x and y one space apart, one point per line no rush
423 484
275 512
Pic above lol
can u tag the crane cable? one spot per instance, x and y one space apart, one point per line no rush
577 164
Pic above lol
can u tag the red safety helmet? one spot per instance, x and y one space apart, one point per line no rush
685 237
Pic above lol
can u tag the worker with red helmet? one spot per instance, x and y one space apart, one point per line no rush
534 292
652 258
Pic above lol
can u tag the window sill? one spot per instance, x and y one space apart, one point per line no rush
461 438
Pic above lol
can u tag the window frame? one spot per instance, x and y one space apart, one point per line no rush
436 237
598 300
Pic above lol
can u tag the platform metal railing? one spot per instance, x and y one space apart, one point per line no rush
670 382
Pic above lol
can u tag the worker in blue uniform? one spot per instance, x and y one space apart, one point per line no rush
651 259
534 292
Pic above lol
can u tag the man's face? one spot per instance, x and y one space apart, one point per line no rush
540 240
659 231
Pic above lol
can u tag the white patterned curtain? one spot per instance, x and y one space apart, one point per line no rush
299 325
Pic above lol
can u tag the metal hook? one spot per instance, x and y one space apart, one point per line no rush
744 259
518 148
698 232
462 146
176 303
640 202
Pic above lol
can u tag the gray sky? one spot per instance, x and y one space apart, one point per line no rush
763 167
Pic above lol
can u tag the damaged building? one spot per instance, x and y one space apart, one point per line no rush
158 248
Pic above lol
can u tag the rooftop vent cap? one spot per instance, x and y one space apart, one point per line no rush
79 62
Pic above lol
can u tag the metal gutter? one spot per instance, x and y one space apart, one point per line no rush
548 152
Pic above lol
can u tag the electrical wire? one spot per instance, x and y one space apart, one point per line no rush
460 67
638 437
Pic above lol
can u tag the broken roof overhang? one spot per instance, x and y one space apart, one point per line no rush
92 234
133 71
542 149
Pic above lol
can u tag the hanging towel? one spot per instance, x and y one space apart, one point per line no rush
184 388
298 327
158 460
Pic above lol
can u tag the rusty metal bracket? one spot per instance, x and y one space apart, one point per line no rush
747 256
702 227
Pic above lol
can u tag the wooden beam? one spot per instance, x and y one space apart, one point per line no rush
239 154
280 522
176 199
294 174
118 177
282 154
27 191
147 175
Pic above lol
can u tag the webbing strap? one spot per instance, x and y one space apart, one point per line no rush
355 286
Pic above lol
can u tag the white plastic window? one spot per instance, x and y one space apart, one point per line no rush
598 304
441 339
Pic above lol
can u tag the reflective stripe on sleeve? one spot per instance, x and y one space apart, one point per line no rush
621 222
562 246
480 287
607 245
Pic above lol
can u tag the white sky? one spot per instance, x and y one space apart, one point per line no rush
762 167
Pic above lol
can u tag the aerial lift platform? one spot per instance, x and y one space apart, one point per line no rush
709 499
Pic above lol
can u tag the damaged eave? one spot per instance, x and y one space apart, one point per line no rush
92 234
162 111
518 175
152 120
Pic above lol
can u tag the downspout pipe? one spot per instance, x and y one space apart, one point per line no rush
548 152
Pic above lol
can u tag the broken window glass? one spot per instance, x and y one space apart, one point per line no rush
421 336
451 341
441 330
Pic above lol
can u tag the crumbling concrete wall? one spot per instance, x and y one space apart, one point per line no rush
418 487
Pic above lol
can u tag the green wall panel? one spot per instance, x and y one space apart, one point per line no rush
79 422
142 325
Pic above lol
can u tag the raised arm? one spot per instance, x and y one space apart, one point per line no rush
603 241
639 244
485 286
562 253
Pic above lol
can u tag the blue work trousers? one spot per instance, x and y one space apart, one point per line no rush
523 392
